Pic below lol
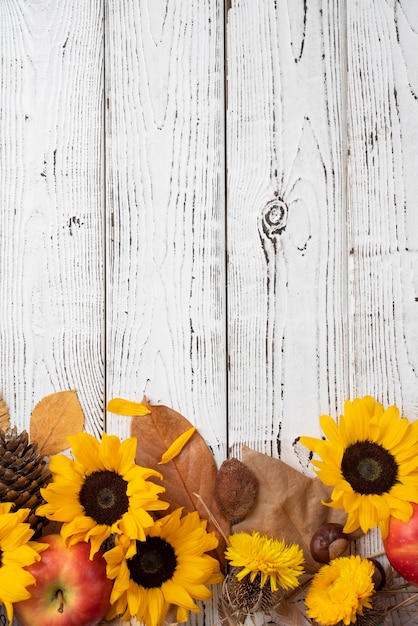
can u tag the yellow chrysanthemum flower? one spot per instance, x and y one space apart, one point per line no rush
371 460
169 568
273 559
101 492
340 591
16 552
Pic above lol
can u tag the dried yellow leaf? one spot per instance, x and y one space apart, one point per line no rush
177 446
4 415
127 407
55 418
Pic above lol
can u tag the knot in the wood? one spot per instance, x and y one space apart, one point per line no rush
274 218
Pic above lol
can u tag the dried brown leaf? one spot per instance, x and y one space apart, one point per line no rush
289 504
4 415
192 472
55 418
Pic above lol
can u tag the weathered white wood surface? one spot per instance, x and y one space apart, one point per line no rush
51 204
286 220
241 248
382 200
166 210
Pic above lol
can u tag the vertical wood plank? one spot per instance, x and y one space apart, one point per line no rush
165 214
165 206
51 205
52 290
382 200
382 208
286 221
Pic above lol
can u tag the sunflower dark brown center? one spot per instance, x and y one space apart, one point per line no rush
154 562
103 496
369 468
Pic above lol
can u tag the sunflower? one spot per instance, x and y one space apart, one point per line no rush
266 557
340 591
16 552
101 492
169 568
371 460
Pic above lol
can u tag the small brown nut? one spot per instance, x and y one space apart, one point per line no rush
379 576
329 542
337 548
236 488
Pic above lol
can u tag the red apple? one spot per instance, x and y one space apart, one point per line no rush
70 589
401 546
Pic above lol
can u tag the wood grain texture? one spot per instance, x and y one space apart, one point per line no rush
382 196
52 290
286 221
382 201
165 209
165 214
126 266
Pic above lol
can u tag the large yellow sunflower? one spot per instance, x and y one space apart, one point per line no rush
340 591
371 460
101 492
269 558
16 552
169 568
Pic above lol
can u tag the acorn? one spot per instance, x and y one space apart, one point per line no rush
329 542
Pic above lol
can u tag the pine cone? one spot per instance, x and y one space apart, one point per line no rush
22 474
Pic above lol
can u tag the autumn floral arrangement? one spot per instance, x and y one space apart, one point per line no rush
98 529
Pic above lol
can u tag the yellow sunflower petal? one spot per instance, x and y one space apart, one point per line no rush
17 552
119 406
21 555
136 599
86 450
177 594
177 446
370 458
181 615
126 455
329 427
80 494
182 579
109 452
65 468
384 528
14 580
5 507
156 608
8 523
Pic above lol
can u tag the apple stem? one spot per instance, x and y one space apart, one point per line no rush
60 598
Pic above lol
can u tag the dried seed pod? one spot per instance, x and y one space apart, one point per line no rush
236 489
23 472
246 597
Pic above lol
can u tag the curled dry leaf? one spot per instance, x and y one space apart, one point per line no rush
289 504
4 415
192 472
53 419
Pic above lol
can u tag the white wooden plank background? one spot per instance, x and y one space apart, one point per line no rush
211 204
